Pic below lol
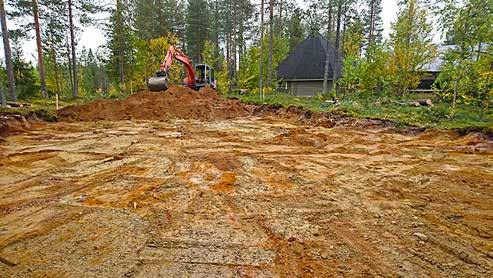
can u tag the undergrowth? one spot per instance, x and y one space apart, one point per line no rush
439 115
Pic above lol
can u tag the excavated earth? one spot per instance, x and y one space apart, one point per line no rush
180 184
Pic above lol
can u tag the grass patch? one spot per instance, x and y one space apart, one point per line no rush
438 116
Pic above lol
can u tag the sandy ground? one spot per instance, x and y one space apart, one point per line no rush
250 197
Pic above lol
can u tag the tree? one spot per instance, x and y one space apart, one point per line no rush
336 45
373 22
295 29
271 39
21 8
249 74
327 55
24 73
197 27
41 67
261 50
8 53
75 88
83 8
412 47
467 72
120 45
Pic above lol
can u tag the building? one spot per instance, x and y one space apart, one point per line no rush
433 69
302 72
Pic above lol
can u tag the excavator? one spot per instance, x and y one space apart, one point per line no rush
197 77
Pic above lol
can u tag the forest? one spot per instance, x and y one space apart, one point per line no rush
245 40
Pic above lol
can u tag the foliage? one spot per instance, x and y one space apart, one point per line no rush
373 22
210 54
467 75
120 48
197 28
412 48
368 75
249 73
149 55
295 29
386 109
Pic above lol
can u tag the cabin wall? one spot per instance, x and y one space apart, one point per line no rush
306 88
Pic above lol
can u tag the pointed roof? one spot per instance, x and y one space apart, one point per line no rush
307 60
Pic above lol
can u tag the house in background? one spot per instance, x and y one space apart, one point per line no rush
302 72
432 70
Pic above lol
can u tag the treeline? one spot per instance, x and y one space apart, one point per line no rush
245 40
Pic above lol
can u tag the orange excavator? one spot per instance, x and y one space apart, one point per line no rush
197 77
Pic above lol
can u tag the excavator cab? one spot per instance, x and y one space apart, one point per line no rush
204 75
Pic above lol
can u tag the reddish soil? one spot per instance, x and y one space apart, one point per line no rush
176 102
11 124
244 197
198 186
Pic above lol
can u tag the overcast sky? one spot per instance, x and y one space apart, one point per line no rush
93 37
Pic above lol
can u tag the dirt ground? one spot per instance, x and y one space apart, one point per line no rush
244 197
176 102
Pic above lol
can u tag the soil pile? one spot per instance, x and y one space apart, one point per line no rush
176 102
17 122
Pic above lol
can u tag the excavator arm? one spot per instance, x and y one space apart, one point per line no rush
160 81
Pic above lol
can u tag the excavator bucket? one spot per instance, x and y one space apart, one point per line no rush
158 83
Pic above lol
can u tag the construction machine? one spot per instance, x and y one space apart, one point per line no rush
197 77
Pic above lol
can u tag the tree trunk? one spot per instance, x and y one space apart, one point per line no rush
271 42
216 34
327 55
228 60
280 31
336 46
41 66
372 22
261 58
8 53
2 96
119 30
235 42
70 72
75 92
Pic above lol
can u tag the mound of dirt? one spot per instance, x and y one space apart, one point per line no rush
176 102
16 122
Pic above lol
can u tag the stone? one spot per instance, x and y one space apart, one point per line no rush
421 236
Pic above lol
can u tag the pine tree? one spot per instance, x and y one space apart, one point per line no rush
54 36
21 8
75 80
82 9
24 72
271 42
8 52
295 29
261 50
340 7
197 27
373 22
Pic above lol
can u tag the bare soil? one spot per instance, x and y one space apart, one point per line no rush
248 196
176 102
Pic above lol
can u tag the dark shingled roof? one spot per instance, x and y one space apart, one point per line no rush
307 60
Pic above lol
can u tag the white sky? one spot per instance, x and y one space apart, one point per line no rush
93 37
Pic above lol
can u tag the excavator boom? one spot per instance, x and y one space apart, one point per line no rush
159 82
